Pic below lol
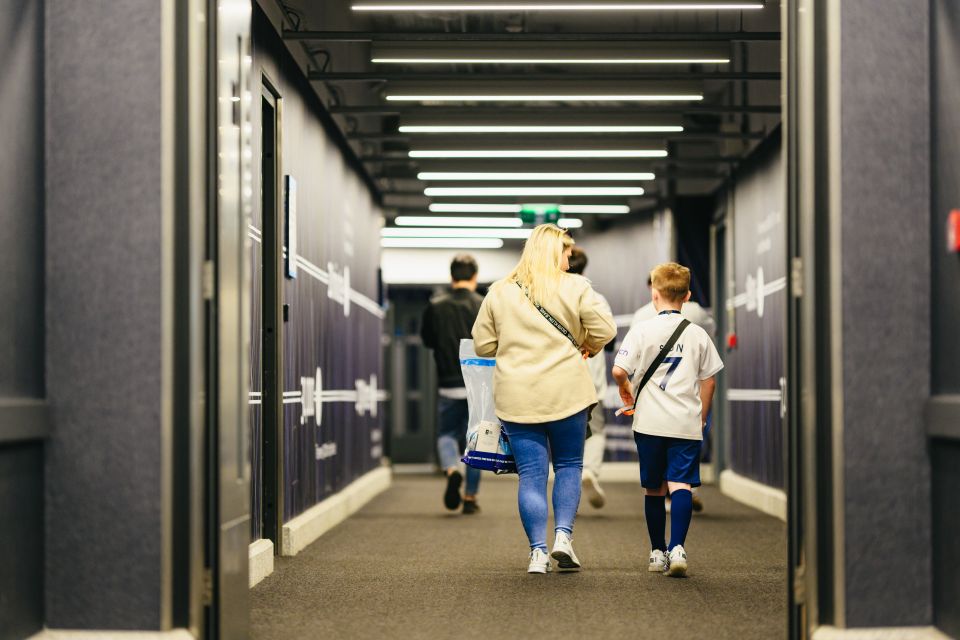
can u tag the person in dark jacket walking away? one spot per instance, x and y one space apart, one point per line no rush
447 320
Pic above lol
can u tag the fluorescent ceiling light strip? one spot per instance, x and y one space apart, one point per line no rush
447 221
542 153
533 177
475 208
441 243
569 223
521 60
541 129
612 209
550 6
594 208
532 191
579 97
411 232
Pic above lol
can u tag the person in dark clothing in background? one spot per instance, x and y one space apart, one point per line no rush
447 320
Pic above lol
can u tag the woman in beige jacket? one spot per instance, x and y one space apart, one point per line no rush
541 323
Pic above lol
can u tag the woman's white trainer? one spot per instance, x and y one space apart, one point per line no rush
563 553
539 562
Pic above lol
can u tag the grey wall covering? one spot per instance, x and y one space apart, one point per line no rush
885 285
103 366
334 322
756 305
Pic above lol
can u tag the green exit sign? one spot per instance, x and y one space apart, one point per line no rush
539 213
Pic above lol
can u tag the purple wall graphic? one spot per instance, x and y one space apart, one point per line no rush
757 308
332 362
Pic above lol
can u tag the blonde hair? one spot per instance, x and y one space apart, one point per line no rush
671 280
539 269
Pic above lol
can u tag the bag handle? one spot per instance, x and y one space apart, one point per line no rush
556 323
654 366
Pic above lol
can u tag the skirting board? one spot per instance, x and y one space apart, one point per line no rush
754 494
318 519
261 561
86 634
880 633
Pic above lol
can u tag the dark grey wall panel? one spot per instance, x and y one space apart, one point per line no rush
21 207
885 289
337 234
22 415
946 194
756 306
946 523
945 309
103 367
21 530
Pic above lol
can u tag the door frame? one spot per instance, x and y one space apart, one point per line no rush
188 380
814 400
272 281
226 284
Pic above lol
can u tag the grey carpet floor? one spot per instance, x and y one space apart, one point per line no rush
403 567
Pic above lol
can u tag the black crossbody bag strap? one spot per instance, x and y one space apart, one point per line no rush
659 360
556 323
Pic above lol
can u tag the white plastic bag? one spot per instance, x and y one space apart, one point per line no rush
487 444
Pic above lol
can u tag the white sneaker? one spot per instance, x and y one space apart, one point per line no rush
658 561
563 553
539 562
677 562
591 484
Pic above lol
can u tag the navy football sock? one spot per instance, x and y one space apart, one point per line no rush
656 512
681 510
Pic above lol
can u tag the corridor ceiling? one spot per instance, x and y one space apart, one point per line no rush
487 98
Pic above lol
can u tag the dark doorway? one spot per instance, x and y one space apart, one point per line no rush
272 323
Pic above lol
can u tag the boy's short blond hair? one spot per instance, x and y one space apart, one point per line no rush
671 280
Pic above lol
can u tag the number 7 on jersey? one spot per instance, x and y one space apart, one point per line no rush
674 362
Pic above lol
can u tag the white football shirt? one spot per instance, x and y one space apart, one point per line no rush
670 403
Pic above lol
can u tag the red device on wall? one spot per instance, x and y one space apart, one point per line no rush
953 231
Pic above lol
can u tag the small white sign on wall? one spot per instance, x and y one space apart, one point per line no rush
290 224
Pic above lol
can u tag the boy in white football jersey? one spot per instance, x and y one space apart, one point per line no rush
670 411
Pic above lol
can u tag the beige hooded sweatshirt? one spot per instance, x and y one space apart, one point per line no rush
540 376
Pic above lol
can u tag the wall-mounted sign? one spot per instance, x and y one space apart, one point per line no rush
540 213
290 225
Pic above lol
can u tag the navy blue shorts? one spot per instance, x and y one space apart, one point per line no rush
671 459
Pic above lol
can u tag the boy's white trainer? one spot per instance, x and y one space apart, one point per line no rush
658 561
539 562
563 553
677 562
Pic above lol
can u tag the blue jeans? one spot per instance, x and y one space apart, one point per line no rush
532 446
452 439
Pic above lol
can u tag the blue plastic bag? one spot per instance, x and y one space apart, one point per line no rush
488 447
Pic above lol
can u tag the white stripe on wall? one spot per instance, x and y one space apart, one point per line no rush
769 289
322 276
754 395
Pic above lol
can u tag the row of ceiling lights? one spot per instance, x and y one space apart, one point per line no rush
556 6
475 232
